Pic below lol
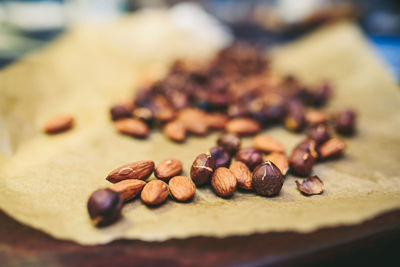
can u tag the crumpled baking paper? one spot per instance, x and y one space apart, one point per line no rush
45 181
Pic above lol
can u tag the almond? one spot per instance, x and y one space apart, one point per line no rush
58 124
332 148
182 188
128 189
314 117
242 126
242 174
175 131
280 161
267 144
217 121
162 109
154 193
194 120
168 168
223 182
132 127
136 170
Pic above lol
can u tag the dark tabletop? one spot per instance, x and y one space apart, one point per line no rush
374 242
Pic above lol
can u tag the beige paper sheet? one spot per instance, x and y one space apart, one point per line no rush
45 180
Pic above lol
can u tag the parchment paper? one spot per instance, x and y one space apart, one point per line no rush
45 181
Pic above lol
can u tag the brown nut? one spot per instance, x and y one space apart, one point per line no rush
267 144
175 131
168 168
154 192
243 175
120 111
267 179
311 186
136 170
223 182
309 146
202 169
242 126
295 119
345 122
182 188
229 142
221 157
319 133
194 121
216 121
128 189
314 117
334 147
280 161
58 124
249 156
301 162
132 127
104 207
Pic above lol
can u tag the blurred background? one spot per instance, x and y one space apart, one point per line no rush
26 25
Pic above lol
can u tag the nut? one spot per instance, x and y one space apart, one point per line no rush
280 161
242 126
175 131
321 94
334 147
194 121
243 175
104 207
311 186
314 117
216 121
222 158
319 133
267 144
249 156
168 168
120 111
154 192
301 162
295 119
345 122
136 170
267 179
202 169
182 188
309 146
58 124
223 182
144 114
128 189
132 127
229 142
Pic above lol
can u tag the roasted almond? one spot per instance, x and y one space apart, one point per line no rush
314 117
58 124
154 192
242 126
223 182
280 161
332 148
242 174
182 188
132 127
267 144
217 121
128 189
136 170
168 168
194 120
175 131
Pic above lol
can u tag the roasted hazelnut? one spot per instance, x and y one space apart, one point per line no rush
104 207
301 162
120 111
267 179
249 156
229 142
321 94
345 122
309 146
319 133
295 119
202 169
221 157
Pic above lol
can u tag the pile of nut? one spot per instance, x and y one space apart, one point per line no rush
235 93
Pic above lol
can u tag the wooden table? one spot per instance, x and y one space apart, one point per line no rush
374 242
